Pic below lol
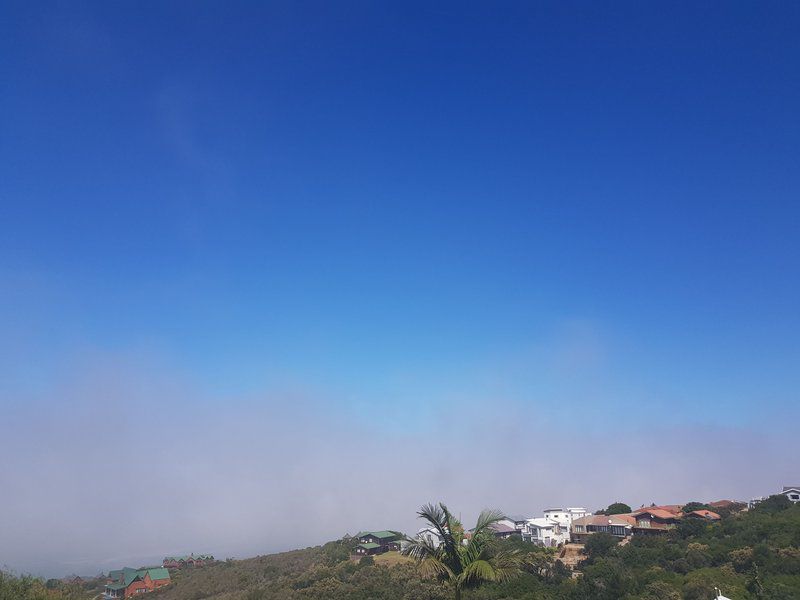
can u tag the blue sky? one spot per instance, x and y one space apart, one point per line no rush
404 211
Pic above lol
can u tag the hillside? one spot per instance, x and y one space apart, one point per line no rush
752 556
755 555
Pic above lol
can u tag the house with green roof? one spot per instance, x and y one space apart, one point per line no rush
126 582
179 562
378 542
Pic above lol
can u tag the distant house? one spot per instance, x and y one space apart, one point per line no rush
516 522
545 532
620 526
656 520
127 582
377 542
792 492
430 535
180 562
502 530
553 528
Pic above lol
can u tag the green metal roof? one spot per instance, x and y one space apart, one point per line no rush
116 586
156 573
381 535
369 546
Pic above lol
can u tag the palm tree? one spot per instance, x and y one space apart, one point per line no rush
462 564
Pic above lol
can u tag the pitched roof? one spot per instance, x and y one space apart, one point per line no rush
381 535
501 528
156 573
788 488
369 546
707 514
516 518
542 523
621 520
659 513
675 509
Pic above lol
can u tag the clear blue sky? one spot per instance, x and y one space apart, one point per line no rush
400 206
356 193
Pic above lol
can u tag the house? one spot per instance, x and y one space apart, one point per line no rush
543 531
430 535
656 520
517 522
792 492
127 582
377 542
502 530
553 528
180 562
620 526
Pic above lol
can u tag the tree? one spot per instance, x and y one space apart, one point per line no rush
462 565
695 506
617 508
599 544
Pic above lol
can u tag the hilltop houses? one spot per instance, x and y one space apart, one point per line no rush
127 582
652 520
620 526
377 542
553 528
180 562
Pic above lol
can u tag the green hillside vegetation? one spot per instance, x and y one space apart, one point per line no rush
752 556
24 587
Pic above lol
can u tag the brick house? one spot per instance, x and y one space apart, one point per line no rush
127 582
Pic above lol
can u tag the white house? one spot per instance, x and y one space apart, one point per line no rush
430 535
792 492
565 516
553 528
545 532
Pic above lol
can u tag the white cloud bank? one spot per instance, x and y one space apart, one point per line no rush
121 466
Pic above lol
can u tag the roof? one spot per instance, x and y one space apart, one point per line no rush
541 523
659 513
381 535
707 514
675 509
501 528
369 546
621 520
156 573
791 488
516 518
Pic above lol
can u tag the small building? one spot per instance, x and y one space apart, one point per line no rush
544 531
127 582
655 521
516 522
792 492
378 542
430 535
620 526
502 530
181 562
